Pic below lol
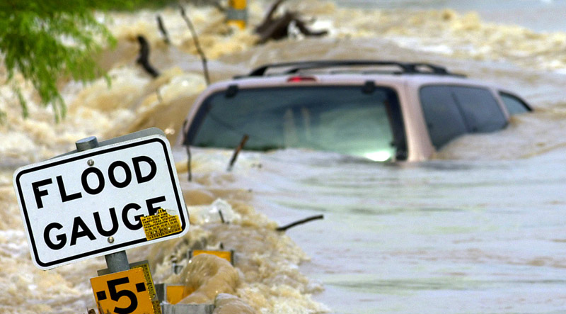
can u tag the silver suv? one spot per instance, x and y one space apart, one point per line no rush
380 110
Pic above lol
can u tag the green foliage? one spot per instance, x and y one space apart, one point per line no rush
46 40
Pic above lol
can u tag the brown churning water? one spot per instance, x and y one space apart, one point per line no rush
478 229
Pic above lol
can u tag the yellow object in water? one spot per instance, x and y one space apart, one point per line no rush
237 13
227 255
176 293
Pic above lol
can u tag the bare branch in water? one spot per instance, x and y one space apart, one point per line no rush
237 151
163 30
300 222
197 44
277 28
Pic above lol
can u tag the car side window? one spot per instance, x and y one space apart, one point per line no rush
451 111
514 104
480 109
442 115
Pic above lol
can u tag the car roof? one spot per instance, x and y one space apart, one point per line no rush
345 72
304 79
399 67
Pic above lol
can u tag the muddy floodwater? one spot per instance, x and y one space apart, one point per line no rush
480 228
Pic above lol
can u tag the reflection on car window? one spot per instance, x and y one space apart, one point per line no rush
451 111
514 104
342 119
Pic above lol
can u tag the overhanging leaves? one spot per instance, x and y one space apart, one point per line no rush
46 40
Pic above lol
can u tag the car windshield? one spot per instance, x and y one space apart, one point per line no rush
351 120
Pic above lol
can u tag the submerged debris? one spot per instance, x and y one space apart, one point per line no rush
143 58
277 28
300 222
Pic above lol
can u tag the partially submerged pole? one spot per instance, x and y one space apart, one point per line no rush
237 13
189 169
237 151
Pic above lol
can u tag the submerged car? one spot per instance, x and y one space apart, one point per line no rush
380 110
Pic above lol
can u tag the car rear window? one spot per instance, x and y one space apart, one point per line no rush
344 119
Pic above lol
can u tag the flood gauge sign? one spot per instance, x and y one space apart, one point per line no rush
91 203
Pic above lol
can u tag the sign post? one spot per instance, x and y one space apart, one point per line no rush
118 261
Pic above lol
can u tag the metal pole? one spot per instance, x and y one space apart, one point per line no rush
86 143
118 261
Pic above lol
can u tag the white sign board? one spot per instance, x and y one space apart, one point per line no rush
90 203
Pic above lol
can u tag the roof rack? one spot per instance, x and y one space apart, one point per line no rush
404 67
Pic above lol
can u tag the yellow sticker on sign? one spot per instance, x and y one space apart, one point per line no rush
160 225
122 293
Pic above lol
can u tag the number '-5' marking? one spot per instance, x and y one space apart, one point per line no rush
115 295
